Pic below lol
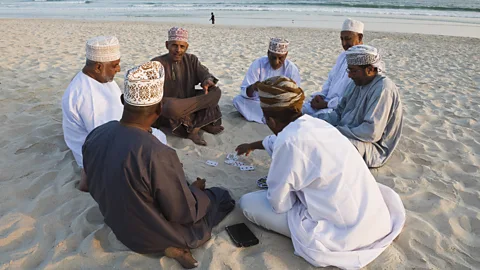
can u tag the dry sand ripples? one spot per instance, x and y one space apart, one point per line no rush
46 223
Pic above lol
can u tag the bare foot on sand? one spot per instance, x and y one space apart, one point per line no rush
83 185
196 138
182 256
213 129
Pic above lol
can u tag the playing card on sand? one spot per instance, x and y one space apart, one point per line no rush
238 163
247 168
212 163
232 156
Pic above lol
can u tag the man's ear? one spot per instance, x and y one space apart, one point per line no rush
271 122
360 37
98 67
286 55
159 108
122 99
166 44
370 70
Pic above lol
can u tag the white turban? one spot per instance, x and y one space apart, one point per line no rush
278 45
103 49
352 25
361 55
144 84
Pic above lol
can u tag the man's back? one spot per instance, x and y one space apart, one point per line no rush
139 185
339 198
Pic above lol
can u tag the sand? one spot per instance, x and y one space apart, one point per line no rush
46 223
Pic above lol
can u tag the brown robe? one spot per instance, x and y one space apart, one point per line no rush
140 187
184 107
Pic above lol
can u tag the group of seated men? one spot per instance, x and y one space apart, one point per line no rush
320 192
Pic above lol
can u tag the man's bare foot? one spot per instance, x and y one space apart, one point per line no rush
213 129
182 256
83 185
196 138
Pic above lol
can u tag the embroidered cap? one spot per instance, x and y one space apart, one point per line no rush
103 49
144 84
177 34
278 45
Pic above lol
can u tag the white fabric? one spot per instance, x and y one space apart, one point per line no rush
337 214
103 49
353 25
257 209
261 70
333 89
87 104
268 143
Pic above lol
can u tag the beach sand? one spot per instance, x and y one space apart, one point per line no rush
46 223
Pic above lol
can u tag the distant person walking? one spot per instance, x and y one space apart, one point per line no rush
212 18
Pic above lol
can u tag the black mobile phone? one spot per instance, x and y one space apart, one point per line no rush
241 235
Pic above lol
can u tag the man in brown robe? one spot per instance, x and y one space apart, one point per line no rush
187 110
139 183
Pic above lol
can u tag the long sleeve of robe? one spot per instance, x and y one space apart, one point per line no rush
371 117
261 70
140 187
333 89
337 213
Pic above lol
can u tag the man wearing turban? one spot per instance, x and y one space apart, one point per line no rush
139 183
370 113
320 192
338 80
187 110
274 64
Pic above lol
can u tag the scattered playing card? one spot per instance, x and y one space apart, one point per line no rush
212 163
238 163
247 168
232 156
229 161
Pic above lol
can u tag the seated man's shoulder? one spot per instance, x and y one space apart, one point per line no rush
387 85
161 58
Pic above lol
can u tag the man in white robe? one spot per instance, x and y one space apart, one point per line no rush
333 89
320 192
274 64
93 98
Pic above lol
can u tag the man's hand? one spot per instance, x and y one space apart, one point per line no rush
250 89
319 103
199 183
207 84
245 148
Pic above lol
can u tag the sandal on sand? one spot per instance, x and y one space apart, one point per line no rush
262 182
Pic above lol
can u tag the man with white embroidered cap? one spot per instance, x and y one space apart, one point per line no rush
370 114
187 110
274 64
333 89
320 192
93 98
139 182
